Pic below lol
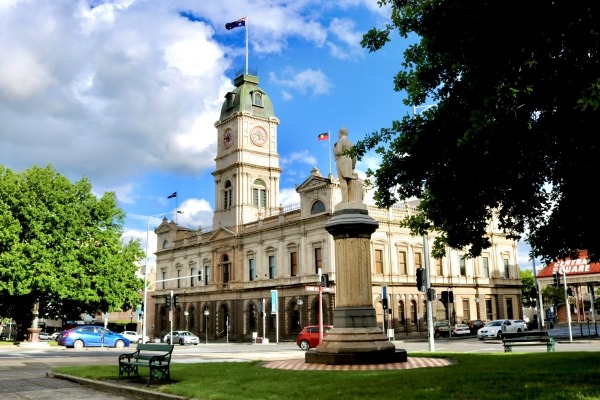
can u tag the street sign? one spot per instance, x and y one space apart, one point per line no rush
316 289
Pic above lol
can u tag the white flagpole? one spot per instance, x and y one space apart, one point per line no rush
246 44
329 147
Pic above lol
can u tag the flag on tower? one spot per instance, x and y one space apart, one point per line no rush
236 24
323 136
174 194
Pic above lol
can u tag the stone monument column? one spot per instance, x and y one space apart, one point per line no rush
355 337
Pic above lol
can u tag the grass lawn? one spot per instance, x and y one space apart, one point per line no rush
492 376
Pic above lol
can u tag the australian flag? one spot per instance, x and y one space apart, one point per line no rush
235 24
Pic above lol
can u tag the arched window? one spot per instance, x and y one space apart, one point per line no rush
317 207
259 193
257 99
227 195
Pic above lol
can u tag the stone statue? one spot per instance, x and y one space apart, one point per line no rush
352 190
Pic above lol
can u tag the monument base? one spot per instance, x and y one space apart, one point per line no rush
355 339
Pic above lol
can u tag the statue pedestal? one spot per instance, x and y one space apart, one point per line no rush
355 337
34 335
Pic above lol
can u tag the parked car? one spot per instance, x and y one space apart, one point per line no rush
182 337
474 325
44 336
54 336
135 337
441 329
91 336
308 337
494 329
461 330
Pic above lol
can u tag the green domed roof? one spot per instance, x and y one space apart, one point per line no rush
247 98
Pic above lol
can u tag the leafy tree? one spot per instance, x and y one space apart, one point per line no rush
61 249
528 289
512 133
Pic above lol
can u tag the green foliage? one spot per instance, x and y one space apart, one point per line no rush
60 248
528 289
513 130
499 376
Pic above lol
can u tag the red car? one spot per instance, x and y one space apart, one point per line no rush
309 336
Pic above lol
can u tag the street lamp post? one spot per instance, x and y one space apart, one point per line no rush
186 319
146 267
300 302
206 312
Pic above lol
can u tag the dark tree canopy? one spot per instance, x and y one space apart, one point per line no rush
61 248
513 132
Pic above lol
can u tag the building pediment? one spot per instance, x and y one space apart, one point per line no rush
222 234
313 182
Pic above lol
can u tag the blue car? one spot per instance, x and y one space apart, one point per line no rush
91 336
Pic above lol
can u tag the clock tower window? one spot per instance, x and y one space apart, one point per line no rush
257 99
227 195
259 193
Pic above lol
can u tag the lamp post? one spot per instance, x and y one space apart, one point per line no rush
145 308
131 317
206 312
300 302
186 319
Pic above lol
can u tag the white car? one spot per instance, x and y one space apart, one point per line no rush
44 336
135 337
494 329
55 335
181 337
461 329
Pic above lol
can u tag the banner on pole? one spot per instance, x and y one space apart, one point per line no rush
274 306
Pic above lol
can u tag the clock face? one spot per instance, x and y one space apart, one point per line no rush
228 138
258 135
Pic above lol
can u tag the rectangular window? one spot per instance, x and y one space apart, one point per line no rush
294 264
418 260
271 267
259 197
486 266
402 263
226 273
251 269
164 278
506 271
178 279
318 260
466 311
206 275
192 277
378 261
509 309
463 266
439 271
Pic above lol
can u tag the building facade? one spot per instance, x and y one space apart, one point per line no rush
225 278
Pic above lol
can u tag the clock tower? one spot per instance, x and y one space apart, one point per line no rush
247 164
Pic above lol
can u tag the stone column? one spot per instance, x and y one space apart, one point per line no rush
355 337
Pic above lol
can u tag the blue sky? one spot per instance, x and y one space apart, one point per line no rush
126 93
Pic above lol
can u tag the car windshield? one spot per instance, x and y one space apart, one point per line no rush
495 323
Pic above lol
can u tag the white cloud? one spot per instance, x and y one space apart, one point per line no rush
303 157
308 80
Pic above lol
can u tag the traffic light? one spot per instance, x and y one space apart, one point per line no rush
325 280
431 294
384 303
420 276
556 280
168 301
444 298
450 296
175 301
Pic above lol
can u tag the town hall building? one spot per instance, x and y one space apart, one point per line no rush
253 273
